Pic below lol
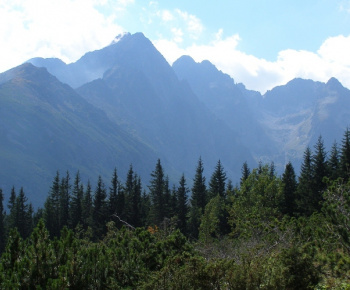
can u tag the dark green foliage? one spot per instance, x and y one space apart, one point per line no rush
198 201
156 191
169 204
2 222
345 155
100 209
87 208
267 234
289 184
320 171
12 209
194 221
199 190
334 162
214 222
64 201
245 172
182 206
217 184
256 204
52 208
337 209
117 206
133 190
305 186
76 210
21 213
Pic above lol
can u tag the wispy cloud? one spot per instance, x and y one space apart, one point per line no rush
68 28
193 24
166 15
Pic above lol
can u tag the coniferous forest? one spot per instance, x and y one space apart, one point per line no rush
265 232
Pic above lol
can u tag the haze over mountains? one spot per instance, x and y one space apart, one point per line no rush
125 104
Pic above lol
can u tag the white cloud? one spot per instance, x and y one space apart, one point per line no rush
166 15
193 23
177 35
65 29
125 2
68 28
331 60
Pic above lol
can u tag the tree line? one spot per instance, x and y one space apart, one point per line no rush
265 219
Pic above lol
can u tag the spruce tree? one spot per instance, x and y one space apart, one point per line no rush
245 172
289 184
145 209
168 200
182 207
87 207
345 155
2 223
199 189
64 200
305 185
198 201
272 170
11 223
156 190
320 170
217 182
116 197
100 209
135 217
334 162
51 208
24 215
76 202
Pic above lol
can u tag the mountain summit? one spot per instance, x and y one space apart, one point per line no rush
125 104
46 126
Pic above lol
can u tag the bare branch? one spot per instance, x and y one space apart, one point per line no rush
124 222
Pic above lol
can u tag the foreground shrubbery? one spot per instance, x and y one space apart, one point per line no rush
284 256
271 232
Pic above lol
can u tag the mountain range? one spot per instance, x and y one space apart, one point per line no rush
124 104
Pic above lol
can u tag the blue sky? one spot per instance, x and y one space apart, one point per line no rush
261 43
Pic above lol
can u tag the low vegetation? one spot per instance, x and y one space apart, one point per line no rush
270 232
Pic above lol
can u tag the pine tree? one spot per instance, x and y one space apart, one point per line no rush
135 201
125 204
320 170
182 207
100 209
64 200
199 189
289 184
168 200
217 182
260 167
2 223
51 208
116 201
87 207
305 185
245 172
345 155
145 209
11 223
272 170
24 215
198 201
334 162
156 189
76 203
